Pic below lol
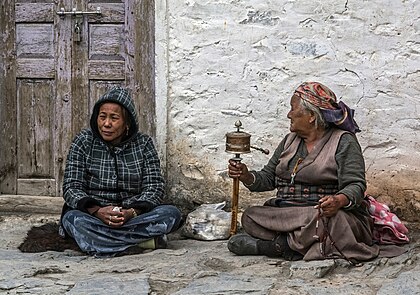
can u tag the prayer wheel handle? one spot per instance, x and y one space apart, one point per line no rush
264 151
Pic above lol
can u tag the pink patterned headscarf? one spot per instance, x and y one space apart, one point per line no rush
317 94
321 96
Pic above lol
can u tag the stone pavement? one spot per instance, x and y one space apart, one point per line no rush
192 267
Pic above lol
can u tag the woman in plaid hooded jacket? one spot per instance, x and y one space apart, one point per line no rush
113 187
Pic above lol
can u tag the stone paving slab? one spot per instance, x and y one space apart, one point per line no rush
191 267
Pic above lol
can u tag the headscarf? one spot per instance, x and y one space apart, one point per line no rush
321 96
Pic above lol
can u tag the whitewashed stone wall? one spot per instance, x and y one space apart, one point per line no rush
220 61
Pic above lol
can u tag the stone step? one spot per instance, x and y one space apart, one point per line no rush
30 204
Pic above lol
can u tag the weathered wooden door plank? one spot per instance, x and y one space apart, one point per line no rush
141 29
63 101
35 147
35 95
8 161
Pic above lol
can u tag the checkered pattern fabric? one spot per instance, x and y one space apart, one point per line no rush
126 175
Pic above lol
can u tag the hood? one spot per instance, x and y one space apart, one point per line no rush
122 97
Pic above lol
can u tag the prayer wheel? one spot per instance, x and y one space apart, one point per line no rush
238 142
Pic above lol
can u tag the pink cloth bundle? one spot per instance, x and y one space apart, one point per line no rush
388 228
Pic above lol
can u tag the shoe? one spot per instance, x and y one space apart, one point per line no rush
283 249
159 242
279 247
243 244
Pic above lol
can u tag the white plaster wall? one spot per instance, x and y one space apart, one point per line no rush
219 61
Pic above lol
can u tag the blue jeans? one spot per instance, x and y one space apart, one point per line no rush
97 238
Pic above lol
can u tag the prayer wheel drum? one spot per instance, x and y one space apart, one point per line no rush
238 142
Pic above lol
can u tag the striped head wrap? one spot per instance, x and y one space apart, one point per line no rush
321 96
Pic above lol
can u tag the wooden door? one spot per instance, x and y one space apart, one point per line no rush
49 80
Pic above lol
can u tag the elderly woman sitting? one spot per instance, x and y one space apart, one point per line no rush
319 173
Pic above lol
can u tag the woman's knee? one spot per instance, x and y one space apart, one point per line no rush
246 219
169 211
71 216
78 221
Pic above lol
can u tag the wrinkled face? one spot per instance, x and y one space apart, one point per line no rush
300 119
111 122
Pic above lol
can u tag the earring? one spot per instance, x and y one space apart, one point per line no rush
127 131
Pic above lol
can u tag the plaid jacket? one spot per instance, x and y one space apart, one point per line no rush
126 175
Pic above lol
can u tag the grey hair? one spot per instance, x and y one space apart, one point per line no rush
320 121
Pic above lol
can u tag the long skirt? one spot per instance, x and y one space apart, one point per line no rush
97 238
352 236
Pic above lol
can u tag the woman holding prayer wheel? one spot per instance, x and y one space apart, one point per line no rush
318 171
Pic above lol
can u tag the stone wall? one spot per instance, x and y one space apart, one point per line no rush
221 61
